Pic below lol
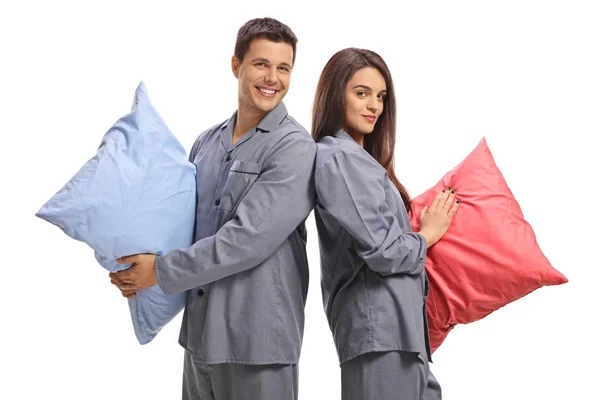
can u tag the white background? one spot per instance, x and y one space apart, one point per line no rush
524 74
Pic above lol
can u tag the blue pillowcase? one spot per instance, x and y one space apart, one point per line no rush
136 195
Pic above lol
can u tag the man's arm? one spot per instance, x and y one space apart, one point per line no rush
280 199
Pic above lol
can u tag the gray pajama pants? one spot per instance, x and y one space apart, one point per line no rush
389 375
238 381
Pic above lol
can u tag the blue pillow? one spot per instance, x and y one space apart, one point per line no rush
136 195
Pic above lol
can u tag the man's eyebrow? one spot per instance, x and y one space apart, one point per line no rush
265 60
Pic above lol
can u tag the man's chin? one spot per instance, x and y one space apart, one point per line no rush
266 105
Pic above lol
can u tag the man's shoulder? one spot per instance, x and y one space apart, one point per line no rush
291 129
289 138
215 128
290 123
206 134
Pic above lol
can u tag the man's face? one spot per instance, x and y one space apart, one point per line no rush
264 75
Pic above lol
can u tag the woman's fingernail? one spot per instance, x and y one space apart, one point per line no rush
454 191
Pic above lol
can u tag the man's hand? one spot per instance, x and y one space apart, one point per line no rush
125 290
141 275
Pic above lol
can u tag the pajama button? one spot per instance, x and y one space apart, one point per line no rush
200 292
228 158
217 202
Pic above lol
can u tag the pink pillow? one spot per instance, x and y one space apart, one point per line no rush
489 256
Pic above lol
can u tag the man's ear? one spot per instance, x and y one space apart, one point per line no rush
235 66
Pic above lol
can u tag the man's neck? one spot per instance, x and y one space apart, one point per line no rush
246 119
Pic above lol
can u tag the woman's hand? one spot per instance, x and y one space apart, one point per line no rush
435 220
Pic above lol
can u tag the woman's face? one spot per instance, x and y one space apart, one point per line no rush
365 94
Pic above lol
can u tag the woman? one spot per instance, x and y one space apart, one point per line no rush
373 279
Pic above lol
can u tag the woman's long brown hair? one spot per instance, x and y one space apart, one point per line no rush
329 108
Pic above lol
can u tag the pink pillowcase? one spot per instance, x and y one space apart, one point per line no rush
489 256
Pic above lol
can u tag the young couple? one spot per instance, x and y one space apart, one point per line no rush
260 174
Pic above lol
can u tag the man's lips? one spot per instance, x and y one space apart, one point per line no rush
266 92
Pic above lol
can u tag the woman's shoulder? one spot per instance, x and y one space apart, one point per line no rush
339 144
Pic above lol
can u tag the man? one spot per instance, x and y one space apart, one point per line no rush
247 273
